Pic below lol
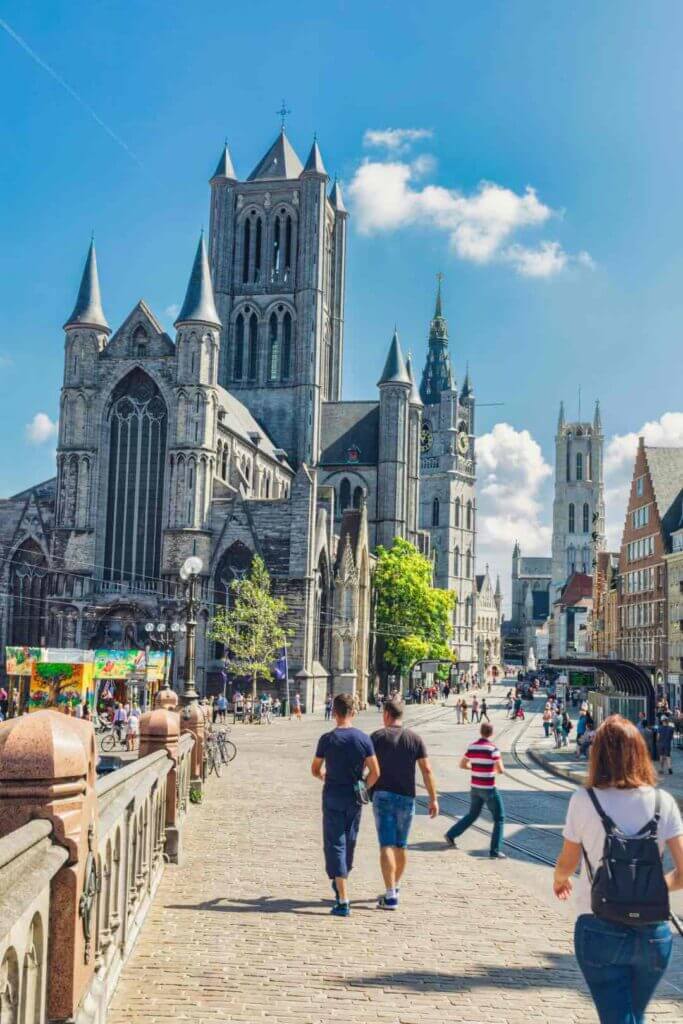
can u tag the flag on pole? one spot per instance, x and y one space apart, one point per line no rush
281 668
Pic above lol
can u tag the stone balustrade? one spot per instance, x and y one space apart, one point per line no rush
81 859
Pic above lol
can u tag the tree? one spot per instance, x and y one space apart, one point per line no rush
250 627
413 618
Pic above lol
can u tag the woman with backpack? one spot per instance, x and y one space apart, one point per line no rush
622 936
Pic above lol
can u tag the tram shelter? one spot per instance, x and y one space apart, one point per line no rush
618 688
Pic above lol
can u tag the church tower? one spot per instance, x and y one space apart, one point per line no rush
447 480
395 391
277 252
579 505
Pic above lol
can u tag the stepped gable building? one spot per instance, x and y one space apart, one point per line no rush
447 481
489 621
230 439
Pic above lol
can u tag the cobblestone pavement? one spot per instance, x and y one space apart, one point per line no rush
241 930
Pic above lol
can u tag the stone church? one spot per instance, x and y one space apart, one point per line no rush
231 438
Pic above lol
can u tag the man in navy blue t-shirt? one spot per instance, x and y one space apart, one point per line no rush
341 759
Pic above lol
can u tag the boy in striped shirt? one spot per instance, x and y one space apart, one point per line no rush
484 760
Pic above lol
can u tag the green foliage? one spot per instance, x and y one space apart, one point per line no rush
250 629
413 618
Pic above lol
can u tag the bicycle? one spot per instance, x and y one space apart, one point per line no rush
113 739
226 747
213 756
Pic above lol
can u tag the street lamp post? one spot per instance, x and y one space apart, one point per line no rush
189 573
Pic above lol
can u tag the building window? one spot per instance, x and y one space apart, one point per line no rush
288 248
468 522
435 512
286 346
257 250
457 511
246 245
456 563
468 563
273 347
344 494
253 346
357 497
238 368
572 523
579 466
586 517
640 486
276 249
28 582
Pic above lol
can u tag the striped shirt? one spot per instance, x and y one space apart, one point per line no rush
482 755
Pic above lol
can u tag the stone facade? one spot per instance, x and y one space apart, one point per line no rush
227 440
530 580
489 621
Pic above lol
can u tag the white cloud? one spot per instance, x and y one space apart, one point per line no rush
172 310
396 140
620 452
480 226
511 475
40 429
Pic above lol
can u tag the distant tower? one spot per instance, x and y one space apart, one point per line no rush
447 479
579 505
277 253
395 391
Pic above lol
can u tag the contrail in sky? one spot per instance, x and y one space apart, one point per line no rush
65 85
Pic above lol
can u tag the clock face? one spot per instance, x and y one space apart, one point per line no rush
427 437
463 443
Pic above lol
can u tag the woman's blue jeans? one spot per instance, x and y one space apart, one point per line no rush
622 966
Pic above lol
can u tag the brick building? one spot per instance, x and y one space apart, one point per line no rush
604 620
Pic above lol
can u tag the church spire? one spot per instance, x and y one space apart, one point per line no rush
88 310
414 393
597 419
225 167
395 368
199 302
314 164
560 418
336 198
437 376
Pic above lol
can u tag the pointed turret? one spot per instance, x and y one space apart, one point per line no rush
467 389
225 167
560 418
597 419
516 550
88 310
279 162
414 393
437 375
314 163
337 198
199 302
395 368
498 590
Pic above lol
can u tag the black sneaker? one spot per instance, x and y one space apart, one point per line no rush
498 856
451 841
341 910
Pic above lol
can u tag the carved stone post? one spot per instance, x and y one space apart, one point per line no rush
192 720
47 770
166 698
160 730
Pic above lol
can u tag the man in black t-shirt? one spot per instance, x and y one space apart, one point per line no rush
341 759
398 751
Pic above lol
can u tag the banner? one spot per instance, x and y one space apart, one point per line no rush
119 664
57 685
19 660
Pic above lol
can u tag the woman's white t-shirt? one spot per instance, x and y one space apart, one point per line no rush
630 810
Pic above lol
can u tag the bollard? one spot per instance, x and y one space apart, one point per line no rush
166 698
160 730
47 770
192 720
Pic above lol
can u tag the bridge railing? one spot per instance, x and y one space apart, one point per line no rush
81 859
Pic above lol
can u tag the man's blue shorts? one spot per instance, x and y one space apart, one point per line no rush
393 817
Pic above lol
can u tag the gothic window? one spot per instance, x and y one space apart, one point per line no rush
457 511
456 562
267 485
286 346
435 512
273 347
468 563
579 466
277 229
28 589
139 341
344 494
571 560
257 250
586 559
234 564
246 246
572 518
586 517
569 462
239 348
468 521
253 346
137 451
224 463
357 497
288 248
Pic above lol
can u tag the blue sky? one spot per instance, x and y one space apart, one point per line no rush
575 283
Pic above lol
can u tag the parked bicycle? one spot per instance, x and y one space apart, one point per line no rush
114 738
213 754
227 749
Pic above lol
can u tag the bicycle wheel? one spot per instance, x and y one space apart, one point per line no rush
230 750
108 743
221 749
217 767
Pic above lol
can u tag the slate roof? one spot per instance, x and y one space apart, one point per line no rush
241 422
315 160
395 368
199 302
666 472
279 162
535 566
225 167
88 309
337 198
346 425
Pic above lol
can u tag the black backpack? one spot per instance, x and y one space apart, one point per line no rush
628 887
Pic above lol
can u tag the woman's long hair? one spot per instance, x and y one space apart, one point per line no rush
619 756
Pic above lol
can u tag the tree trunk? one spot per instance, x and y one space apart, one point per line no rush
253 694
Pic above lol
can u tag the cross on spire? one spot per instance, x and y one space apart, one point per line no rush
282 114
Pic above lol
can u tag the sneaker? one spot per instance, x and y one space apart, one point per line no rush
341 910
451 841
387 903
498 856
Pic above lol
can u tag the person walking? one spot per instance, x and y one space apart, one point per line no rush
458 712
342 757
557 729
484 711
622 963
398 751
567 727
665 735
464 712
484 760
328 707
547 720
475 709
297 706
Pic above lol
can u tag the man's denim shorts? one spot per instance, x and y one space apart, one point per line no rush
393 817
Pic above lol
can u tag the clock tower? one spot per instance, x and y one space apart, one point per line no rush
447 480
